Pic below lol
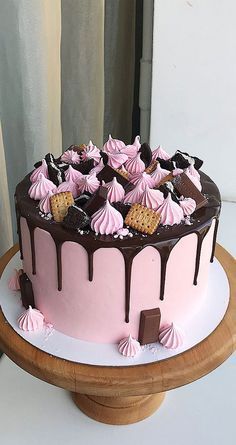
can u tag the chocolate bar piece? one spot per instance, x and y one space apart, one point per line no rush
96 201
76 218
186 188
146 154
122 208
108 173
84 167
56 175
27 294
149 326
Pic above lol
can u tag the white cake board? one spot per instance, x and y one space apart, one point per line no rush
55 343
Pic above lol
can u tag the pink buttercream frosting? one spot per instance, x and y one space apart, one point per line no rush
41 187
97 167
159 174
43 168
115 191
68 186
142 178
129 347
160 153
115 160
188 206
71 174
113 145
13 282
91 152
135 195
70 157
44 203
31 320
135 165
151 198
171 212
170 336
88 183
107 220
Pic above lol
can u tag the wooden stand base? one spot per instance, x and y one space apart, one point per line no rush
118 410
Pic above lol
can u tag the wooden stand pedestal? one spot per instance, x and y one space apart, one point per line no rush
126 394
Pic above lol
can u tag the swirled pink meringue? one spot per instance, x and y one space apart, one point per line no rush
113 145
115 160
135 195
160 153
116 192
97 167
88 183
31 320
13 282
193 172
171 212
170 336
129 347
136 142
70 157
188 205
195 180
68 186
130 151
41 187
177 171
151 198
43 168
159 174
135 165
107 220
142 178
91 152
44 203
72 175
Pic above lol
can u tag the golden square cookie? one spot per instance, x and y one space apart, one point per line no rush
60 202
142 219
122 173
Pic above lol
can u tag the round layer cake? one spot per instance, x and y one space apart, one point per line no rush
93 277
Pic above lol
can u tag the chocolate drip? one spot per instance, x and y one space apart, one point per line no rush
200 237
164 250
59 264
31 228
90 265
19 230
214 240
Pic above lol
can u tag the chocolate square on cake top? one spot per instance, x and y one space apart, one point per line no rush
186 188
108 173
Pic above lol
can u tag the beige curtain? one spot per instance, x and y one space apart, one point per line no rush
56 85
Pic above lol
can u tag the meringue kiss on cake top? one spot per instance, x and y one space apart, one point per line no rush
123 239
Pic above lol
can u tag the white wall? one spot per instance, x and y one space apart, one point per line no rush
194 84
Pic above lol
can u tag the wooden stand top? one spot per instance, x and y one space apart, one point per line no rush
135 380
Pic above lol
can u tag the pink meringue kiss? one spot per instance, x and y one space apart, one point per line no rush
41 187
170 336
14 282
142 178
123 231
68 186
136 142
177 171
31 320
129 347
107 220
115 191
43 168
188 205
151 198
113 145
135 195
171 212
160 153
159 174
72 175
135 165
70 157
192 171
130 151
88 183
91 152
115 160
44 203
97 167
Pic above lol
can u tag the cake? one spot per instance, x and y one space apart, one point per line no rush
117 243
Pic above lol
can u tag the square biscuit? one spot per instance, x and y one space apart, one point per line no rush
143 219
60 202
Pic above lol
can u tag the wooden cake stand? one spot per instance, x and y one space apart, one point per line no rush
122 395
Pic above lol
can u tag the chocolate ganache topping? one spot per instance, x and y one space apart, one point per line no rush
163 240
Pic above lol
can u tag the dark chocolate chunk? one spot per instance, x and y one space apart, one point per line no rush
76 218
77 148
166 164
104 157
185 187
27 294
84 167
56 175
149 326
146 154
122 208
49 158
96 201
81 200
183 160
108 173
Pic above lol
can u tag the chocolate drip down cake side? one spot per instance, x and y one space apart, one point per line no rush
116 243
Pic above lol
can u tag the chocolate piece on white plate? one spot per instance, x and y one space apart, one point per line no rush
27 294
